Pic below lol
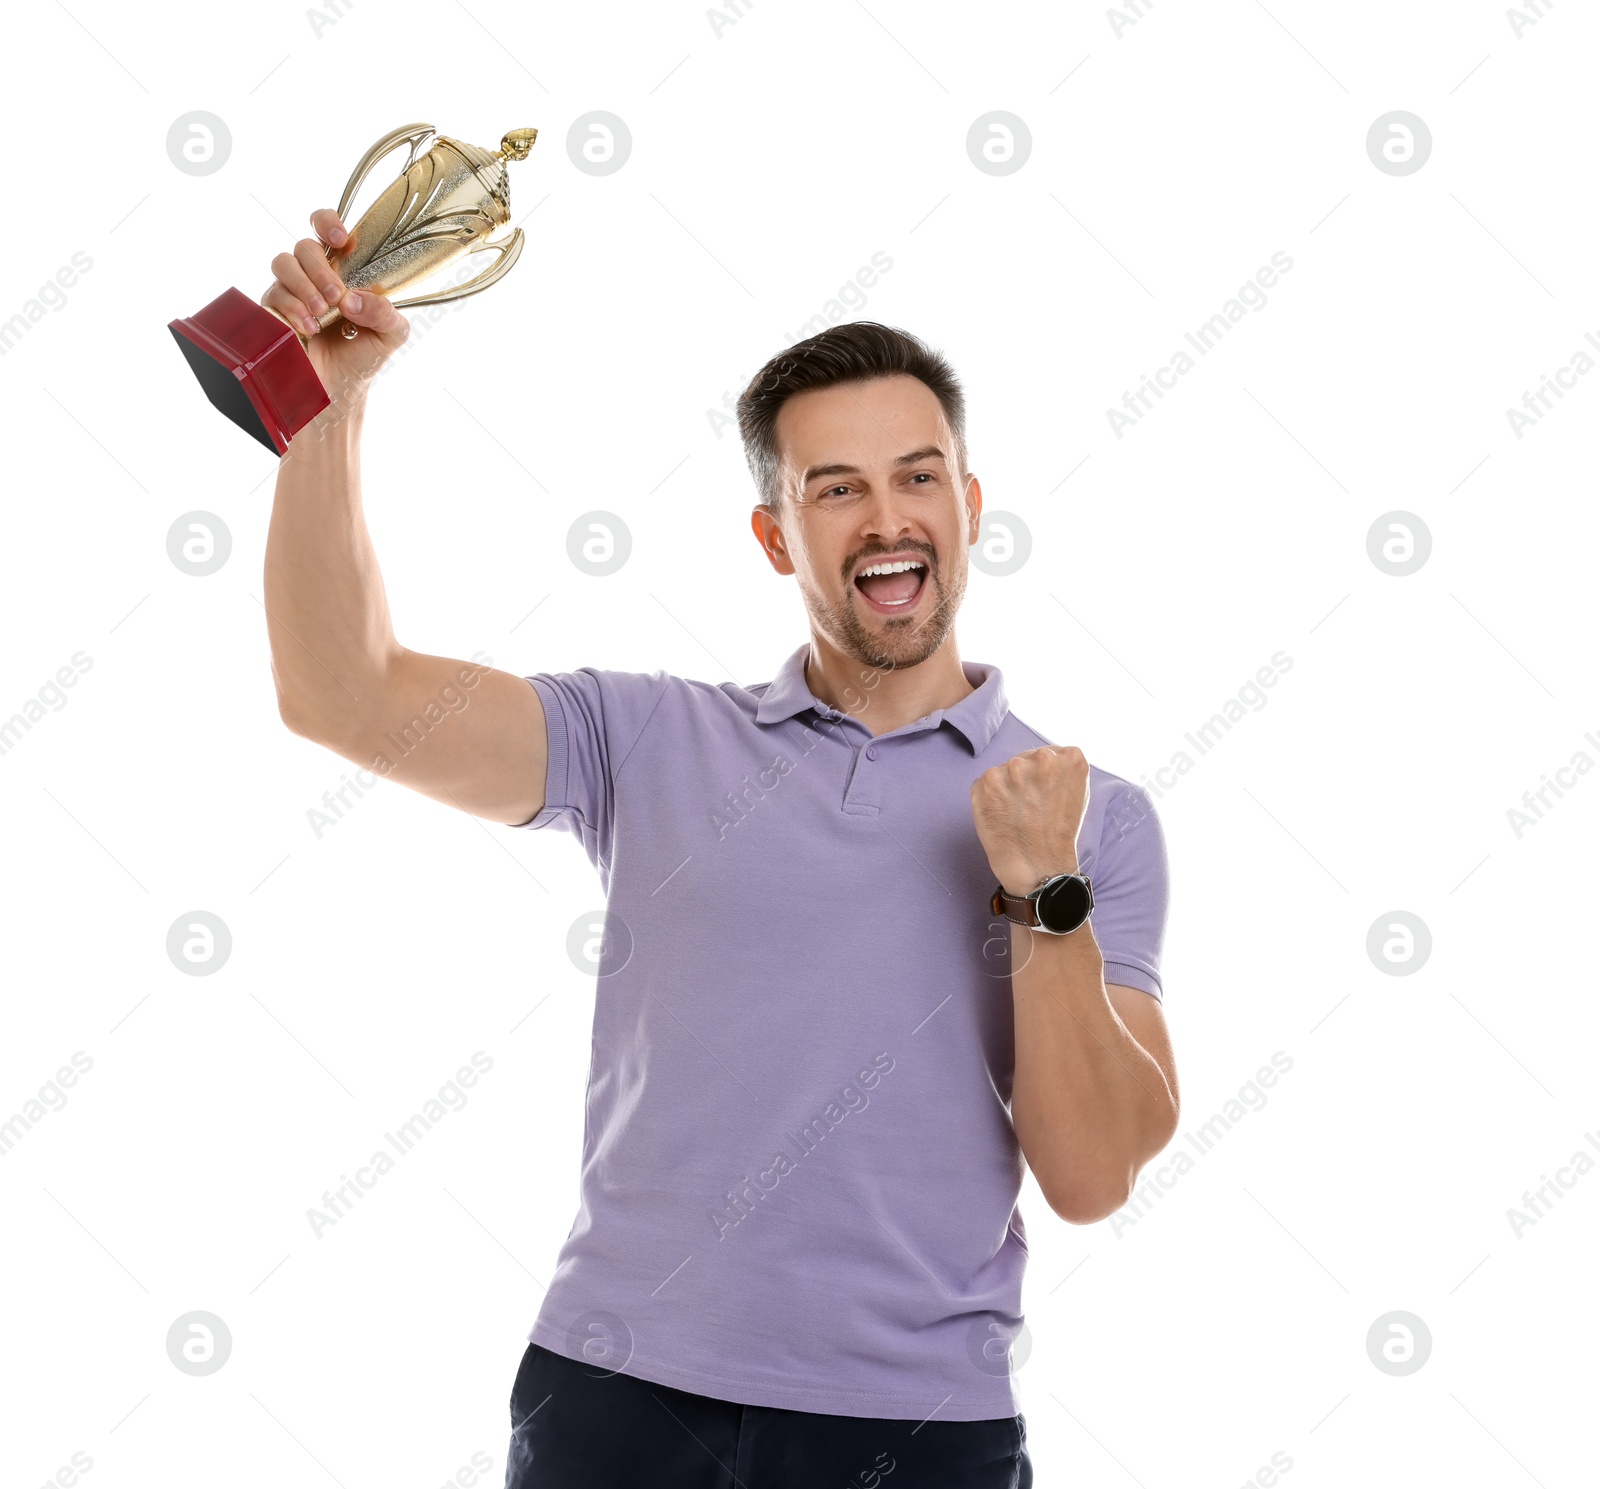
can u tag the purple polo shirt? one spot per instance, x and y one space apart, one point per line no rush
800 1178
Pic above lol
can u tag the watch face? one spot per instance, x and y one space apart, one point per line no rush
1064 904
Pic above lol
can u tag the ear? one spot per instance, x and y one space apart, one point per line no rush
770 536
974 509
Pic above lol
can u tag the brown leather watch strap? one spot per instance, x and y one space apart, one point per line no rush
1017 908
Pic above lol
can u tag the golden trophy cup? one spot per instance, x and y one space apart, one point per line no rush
445 204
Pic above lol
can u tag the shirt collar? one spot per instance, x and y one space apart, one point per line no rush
975 717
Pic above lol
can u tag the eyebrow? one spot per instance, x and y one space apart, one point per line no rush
927 452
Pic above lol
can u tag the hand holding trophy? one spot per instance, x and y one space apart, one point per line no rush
307 284
265 366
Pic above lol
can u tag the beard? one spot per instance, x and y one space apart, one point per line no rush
891 642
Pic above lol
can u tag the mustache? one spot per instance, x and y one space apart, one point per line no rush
926 554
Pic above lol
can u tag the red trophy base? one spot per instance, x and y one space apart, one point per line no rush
252 367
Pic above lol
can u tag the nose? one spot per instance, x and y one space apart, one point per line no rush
886 517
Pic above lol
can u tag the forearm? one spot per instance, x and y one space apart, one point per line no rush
1089 1104
327 615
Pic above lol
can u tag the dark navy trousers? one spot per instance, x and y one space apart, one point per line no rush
573 1425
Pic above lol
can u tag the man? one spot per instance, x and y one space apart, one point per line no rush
830 1024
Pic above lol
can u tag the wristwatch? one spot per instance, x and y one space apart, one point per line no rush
1058 906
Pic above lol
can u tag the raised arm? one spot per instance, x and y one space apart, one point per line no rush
466 735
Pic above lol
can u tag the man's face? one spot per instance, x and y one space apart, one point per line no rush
869 476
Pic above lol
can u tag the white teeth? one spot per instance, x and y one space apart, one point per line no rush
898 567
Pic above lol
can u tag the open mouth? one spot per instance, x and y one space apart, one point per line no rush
892 587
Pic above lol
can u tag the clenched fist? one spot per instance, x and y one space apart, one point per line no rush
1028 812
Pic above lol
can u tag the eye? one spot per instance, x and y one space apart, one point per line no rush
832 489
923 475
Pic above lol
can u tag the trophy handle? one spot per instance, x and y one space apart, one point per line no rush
414 134
507 248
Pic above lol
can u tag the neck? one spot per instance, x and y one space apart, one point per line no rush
884 698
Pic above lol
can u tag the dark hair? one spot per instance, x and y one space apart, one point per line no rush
849 353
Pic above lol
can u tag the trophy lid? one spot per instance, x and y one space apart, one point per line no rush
490 166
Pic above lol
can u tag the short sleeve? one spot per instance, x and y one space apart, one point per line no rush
1130 884
593 719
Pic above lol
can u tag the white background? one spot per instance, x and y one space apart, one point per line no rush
1170 159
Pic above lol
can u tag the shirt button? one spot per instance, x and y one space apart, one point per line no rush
872 752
